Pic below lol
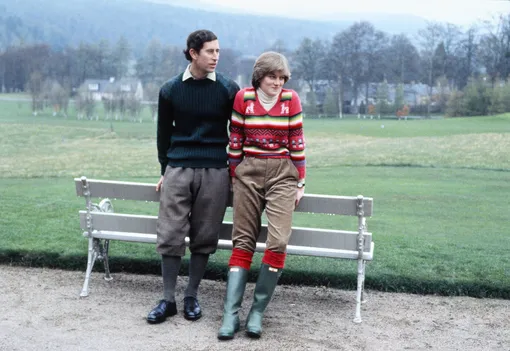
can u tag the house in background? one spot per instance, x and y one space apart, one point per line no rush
94 88
415 94
100 89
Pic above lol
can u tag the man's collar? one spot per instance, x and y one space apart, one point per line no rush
187 75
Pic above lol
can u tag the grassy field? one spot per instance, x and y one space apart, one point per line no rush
440 189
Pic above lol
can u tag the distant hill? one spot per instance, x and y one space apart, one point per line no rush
68 22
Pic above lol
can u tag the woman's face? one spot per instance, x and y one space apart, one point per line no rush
272 83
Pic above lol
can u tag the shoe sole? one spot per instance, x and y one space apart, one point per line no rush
158 321
253 335
225 337
151 321
193 318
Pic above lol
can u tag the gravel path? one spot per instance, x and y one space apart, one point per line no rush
40 309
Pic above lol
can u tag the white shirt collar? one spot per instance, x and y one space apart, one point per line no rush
187 75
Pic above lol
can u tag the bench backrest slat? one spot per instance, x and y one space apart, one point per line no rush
337 205
312 237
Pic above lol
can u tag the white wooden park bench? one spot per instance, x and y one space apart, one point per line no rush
101 224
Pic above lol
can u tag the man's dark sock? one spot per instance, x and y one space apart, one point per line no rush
170 266
197 265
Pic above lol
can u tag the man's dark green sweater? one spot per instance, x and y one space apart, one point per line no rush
193 118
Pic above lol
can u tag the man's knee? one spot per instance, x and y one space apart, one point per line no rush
171 250
203 248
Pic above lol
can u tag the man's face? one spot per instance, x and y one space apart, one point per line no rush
206 60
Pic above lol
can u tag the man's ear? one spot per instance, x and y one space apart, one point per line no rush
193 53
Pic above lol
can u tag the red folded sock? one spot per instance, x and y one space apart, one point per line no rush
240 258
274 259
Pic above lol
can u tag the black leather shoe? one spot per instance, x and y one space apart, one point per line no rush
192 310
161 311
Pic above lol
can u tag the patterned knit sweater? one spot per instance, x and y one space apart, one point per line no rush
278 133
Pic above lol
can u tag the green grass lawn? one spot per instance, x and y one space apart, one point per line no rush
440 190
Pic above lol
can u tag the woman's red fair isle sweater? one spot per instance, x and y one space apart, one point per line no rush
278 133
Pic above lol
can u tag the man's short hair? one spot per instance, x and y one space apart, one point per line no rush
269 62
196 41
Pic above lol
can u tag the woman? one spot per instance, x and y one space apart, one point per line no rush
267 166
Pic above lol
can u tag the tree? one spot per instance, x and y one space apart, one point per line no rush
331 71
106 65
58 66
399 98
35 86
443 93
477 97
401 60
506 95
280 46
429 39
227 63
330 105
308 59
466 57
133 108
85 104
58 97
345 53
173 62
439 62
92 61
109 107
497 99
374 45
148 66
2 74
121 56
382 105
151 94
310 109
456 105
18 64
356 52
446 61
494 50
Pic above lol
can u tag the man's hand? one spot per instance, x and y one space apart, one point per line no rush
160 183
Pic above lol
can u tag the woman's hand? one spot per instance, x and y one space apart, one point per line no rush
232 182
299 194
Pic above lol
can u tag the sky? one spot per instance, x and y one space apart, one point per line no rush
460 12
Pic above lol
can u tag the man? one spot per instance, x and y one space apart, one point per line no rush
193 113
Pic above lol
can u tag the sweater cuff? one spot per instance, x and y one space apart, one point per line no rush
302 172
232 169
163 168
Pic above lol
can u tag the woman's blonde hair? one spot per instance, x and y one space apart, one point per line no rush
267 63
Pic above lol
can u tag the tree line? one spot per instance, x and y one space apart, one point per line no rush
464 71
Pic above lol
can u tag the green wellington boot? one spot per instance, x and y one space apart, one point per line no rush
266 283
237 278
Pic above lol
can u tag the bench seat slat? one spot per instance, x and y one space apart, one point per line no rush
307 237
337 205
227 244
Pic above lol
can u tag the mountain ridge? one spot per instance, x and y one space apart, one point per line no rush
64 23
